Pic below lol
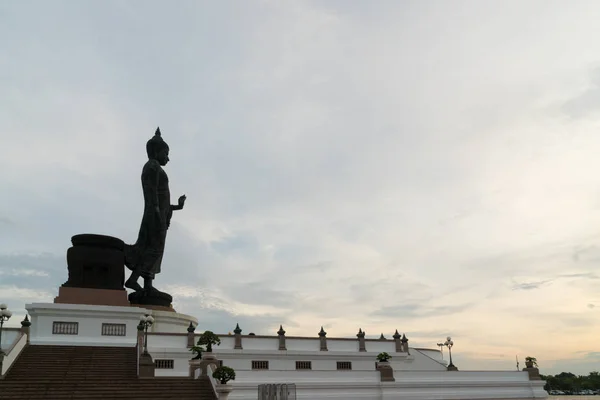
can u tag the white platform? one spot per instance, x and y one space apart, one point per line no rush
90 319
419 373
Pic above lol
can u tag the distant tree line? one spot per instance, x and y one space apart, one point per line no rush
569 382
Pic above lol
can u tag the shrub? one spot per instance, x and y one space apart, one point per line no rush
224 374
197 350
532 360
208 339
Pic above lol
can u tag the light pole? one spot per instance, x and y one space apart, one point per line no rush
146 321
441 346
449 343
5 315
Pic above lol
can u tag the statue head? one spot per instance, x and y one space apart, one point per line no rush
158 149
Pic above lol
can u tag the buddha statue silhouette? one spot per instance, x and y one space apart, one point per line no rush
144 258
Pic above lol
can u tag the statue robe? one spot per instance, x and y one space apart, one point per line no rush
145 256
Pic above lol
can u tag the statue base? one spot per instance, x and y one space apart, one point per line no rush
151 298
94 297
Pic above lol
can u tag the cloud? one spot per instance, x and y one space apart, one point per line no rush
530 285
397 166
415 310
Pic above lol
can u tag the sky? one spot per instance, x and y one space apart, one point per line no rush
431 167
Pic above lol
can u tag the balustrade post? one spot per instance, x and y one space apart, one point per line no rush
238 337
361 340
191 336
281 334
25 327
397 341
405 344
322 340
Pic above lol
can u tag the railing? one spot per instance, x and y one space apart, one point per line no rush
13 352
213 382
210 368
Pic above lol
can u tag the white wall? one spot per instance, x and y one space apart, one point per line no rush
417 385
91 318
342 345
171 322
299 344
167 342
257 348
227 342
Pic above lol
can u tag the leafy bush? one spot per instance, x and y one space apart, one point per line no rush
383 357
208 339
224 374
197 350
532 360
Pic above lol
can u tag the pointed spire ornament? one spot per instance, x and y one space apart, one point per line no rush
360 333
396 335
381 337
237 329
322 333
191 328
281 332
25 323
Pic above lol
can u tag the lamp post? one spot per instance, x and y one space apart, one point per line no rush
146 321
5 315
449 343
441 346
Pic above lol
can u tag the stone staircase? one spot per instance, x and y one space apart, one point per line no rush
78 372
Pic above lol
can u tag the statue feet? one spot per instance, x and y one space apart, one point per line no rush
133 285
151 296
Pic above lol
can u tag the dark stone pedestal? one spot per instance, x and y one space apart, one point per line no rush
534 374
386 372
146 366
153 297
96 297
96 262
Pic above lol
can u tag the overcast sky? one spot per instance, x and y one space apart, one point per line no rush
431 167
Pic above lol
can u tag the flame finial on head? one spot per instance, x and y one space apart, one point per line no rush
155 143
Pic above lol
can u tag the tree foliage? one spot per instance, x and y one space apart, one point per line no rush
224 374
208 339
568 382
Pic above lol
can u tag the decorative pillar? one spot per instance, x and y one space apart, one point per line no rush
146 363
323 340
190 336
398 342
281 334
238 337
25 327
361 340
405 344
